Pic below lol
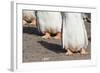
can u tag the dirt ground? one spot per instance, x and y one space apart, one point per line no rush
36 49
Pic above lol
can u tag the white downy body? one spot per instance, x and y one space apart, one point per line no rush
74 31
49 21
29 15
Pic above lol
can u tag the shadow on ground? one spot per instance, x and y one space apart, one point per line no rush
31 30
52 47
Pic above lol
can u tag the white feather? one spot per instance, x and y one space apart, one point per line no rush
74 32
29 14
49 21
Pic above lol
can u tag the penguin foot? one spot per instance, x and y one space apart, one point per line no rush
34 22
46 36
24 22
69 53
83 52
58 36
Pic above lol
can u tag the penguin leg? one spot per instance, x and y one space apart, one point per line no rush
69 52
83 51
46 35
33 22
58 35
24 22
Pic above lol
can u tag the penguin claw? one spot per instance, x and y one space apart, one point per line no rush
83 52
24 22
69 54
33 22
58 36
46 37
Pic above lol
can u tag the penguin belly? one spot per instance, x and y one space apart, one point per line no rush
49 21
74 32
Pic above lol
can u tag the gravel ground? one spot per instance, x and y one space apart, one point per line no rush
36 49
